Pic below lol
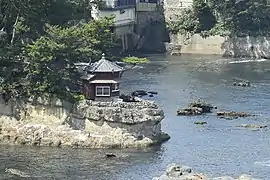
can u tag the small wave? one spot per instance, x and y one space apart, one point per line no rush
245 61
263 163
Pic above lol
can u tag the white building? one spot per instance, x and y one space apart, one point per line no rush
125 15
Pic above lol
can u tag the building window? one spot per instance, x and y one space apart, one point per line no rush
115 87
103 91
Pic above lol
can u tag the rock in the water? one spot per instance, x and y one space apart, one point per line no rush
176 170
206 108
127 98
164 137
246 177
232 115
255 126
242 84
180 172
139 93
195 108
190 111
200 122
110 155
152 92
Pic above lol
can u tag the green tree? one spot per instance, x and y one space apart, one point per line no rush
197 19
243 17
204 15
22 19
51 58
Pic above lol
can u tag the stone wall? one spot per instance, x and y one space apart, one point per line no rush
88 124
255 47
195 45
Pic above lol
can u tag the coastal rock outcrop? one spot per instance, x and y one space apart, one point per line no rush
180 172
87 124
195 108
229 115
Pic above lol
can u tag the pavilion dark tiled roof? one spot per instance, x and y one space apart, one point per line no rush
104 65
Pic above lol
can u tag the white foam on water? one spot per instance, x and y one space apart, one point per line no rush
263 163
248 60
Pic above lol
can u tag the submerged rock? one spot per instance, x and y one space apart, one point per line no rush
152 92
180 172
229 115
200 122
255 126
139 93
242 84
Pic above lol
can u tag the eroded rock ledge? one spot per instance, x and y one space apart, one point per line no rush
180 172
87 124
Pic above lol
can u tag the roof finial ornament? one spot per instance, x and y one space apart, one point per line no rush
103 55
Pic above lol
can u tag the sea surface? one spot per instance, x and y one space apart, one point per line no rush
217 148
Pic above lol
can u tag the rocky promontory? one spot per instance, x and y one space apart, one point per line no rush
86 124
180 172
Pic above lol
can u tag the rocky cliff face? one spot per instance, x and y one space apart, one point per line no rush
252 47
88 124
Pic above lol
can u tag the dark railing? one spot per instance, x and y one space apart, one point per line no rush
110 4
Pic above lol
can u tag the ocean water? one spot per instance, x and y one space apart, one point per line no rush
217 148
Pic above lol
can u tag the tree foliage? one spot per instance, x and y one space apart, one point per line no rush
41 41
238 17
244 17
194 20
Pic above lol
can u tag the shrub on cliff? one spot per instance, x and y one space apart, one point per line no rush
135 60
